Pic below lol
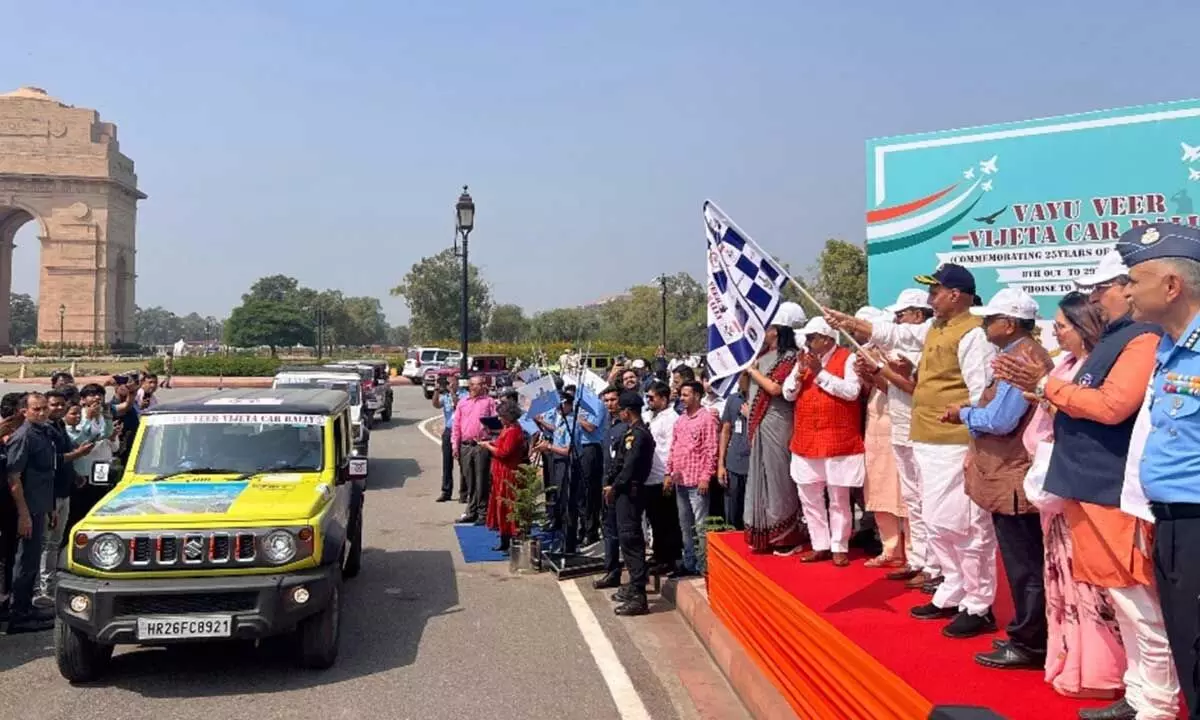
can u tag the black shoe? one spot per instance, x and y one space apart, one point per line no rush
443 498
1011 657
480 521
1120 710
502 547
29 623
965 625
608 581
999 644
466 519
464 499
627 593
637 606
930 588
679 573
929 611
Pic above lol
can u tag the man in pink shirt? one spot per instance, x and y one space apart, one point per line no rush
474 460
690 467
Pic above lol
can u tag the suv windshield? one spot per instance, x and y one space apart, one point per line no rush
247 444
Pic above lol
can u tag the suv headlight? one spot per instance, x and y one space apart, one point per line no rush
279 546
107 552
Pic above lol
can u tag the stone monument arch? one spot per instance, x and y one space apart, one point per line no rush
61 168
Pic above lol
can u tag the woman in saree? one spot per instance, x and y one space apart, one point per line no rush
508 452
1084 655
772 515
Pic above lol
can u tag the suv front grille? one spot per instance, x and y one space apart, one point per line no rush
218 547
183 604
168 549
140 550
189 551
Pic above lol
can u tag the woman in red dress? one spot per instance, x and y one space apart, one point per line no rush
508 451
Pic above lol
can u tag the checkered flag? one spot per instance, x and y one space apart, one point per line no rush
744 290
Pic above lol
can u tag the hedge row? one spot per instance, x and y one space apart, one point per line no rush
226 365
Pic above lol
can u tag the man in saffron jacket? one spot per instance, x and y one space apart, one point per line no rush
827 442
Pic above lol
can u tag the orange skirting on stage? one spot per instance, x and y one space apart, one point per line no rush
839 644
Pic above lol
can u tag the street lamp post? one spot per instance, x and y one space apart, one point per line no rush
464 211
62 345
663 279
320 331
207 336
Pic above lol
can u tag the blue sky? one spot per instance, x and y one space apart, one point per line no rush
328 141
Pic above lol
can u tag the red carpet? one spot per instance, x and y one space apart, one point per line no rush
839 642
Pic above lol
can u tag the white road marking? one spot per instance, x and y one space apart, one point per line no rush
616 678
424 428
624 694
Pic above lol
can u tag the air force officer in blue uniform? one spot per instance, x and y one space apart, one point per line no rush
1164 271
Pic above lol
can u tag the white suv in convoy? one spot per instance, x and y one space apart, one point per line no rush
421 359
349 382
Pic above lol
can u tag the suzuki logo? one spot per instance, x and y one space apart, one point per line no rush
193 548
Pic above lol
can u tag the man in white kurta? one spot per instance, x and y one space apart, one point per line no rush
955 368
827 443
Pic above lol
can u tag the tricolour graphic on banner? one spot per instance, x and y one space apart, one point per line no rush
1033 204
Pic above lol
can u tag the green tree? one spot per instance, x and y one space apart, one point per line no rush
840 276
274 323
23 317
508 324
637 317
399 336
279 288
432 290
366 323
156 325
572 325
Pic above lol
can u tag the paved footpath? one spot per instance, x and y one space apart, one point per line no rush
424 636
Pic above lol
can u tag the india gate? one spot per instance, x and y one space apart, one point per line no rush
61 168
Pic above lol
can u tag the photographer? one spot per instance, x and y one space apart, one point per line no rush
446 401
123 413
94 426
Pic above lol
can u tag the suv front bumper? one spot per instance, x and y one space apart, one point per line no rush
260 605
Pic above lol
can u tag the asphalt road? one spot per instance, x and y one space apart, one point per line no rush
424 635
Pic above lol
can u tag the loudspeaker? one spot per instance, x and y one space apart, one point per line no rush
963 712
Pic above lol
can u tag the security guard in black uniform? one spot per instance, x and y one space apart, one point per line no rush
632 455
608 514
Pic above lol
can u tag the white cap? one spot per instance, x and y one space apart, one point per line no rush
818 326
910 298
872 314
639 364
1110 268
789 314
1009 302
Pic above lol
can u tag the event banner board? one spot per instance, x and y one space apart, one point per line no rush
1032 204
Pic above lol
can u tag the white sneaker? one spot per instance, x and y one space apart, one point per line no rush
43 602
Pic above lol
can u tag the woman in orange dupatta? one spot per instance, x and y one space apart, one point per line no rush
508 451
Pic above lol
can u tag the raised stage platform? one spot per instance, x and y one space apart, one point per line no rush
839 644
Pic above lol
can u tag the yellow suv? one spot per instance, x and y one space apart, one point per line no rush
237 517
